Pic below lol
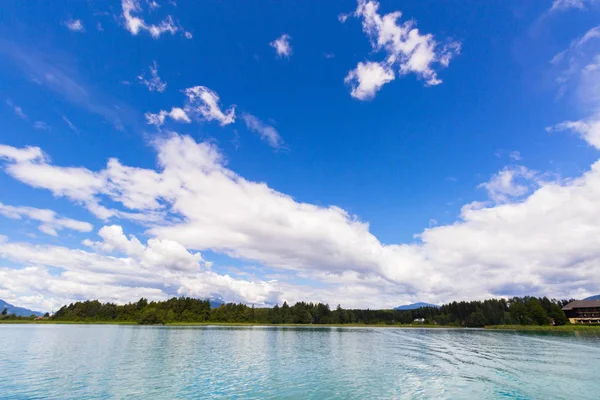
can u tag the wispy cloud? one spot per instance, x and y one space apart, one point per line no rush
50 221
58 72
17 110
70 124
202 103
562 5
266 132
134 24
41 125
154 83
515 155
74 25
176 113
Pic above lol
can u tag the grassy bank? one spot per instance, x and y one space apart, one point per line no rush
51 322
547 328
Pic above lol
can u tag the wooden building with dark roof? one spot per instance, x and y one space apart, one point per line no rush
583 311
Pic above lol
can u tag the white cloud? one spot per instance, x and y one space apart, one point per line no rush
23 155
158 270
579 71
522 245
70 124
152 4
589 130
157 254
205 102
154 83
366 79
41 125
510 183
561 5
515 155
134 24
404 47
74 25
202 103
266 132
156 119
282 45
18 110
176 113
179 114
50 221
344 17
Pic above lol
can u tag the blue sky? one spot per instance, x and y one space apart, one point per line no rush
363 153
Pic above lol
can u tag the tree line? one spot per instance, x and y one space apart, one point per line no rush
515 311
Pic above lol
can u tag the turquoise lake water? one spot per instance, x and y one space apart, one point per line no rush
136 362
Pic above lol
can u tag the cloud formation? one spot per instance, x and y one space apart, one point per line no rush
519 243
18 110
75 25
154 83
201 103
404 47
282 46
134 23
579 73
562 5
50 221
118 269
266 132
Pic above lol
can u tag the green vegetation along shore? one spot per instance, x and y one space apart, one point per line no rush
516 313
533 328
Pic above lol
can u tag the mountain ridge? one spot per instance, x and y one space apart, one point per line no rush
596 297
18 311
414 306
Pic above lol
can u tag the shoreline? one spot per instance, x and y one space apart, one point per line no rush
534 328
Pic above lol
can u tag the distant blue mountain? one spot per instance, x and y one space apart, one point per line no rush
19 311
415 306
596 297
215 303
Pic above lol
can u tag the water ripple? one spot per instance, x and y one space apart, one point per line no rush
135 362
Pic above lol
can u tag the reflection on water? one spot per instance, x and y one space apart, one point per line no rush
135 362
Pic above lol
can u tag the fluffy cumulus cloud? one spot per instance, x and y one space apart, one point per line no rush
134 23
510 183
404 48
118 269
367 78
521 242
282 46
176 113
50 221
266 132
201 103
153 83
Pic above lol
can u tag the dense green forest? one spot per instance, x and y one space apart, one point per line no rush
516 311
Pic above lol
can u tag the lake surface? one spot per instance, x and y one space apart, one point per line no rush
136 362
